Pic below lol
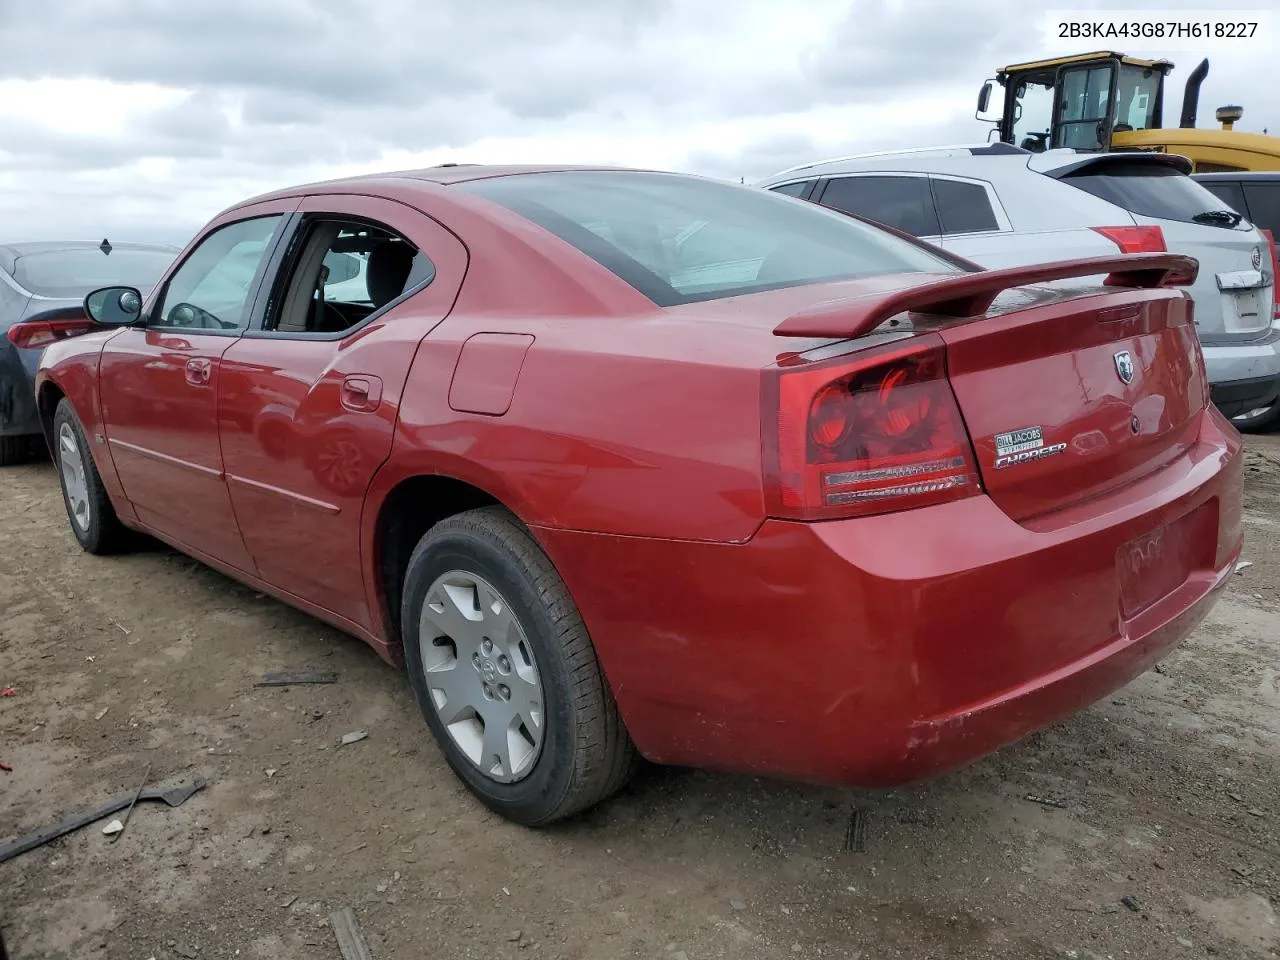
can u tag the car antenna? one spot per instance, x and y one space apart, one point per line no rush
105 247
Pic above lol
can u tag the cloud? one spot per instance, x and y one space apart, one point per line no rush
156 114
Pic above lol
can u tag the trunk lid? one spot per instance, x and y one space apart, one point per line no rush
1076 396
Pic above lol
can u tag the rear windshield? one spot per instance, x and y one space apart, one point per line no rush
1151 190
74 273
680 239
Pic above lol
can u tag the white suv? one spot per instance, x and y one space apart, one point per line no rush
1000 206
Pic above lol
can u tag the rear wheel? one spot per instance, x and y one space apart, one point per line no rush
14 450
505 673
1261 423
93 519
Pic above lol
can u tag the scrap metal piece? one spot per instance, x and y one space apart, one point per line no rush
288 678
855 834
350 937
128 813
173 796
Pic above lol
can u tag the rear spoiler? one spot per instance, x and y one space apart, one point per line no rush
971 294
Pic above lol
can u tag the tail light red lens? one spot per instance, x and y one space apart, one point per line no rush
1145 239
873 432
1275 272
33 334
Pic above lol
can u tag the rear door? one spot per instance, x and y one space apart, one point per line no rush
1234 291
308 397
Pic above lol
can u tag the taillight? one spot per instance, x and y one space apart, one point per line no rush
1275 273
1145 239
32 334
868 433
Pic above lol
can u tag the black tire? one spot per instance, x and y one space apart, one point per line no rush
104 533
15 450
1264 423
586 754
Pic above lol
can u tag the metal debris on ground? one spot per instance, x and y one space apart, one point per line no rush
350 937
355 736
289 678
129 812
1045 801
855 834
173 796
1131 903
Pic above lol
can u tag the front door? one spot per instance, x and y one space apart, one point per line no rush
309 395
159 385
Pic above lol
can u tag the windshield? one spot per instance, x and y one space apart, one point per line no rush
1152 190
74 273
680 239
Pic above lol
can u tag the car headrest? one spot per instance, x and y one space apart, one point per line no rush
387 270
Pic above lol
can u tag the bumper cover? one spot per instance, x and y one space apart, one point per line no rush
877 651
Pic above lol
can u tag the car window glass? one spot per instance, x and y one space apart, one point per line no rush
681 239
1085 95
902 202
339 272
74 273
1032 114
1229 192
211 289
963 207
1149 190
1264 205
793 189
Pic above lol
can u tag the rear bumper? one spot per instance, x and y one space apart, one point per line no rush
18 414
877 651
1240 396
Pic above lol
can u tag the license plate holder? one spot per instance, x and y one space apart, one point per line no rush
1153 565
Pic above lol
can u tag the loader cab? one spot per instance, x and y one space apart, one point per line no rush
1078 102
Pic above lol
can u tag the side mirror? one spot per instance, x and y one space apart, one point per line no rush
984 97
114 306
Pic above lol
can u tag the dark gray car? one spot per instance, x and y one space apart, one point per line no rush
42 290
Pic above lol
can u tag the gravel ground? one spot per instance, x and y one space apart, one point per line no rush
1164 840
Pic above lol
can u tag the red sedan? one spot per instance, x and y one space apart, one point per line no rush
621 463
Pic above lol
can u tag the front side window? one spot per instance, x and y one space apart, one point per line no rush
680 239
1032 113
211 289
901 202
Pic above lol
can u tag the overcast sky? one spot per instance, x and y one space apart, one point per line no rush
140 119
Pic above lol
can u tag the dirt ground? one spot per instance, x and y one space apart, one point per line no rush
1166 843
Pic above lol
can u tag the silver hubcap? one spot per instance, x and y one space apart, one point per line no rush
482 677
74 482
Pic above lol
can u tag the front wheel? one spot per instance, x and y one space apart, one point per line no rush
93 519
505 674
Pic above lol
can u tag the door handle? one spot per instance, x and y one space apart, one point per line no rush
199 371
361 393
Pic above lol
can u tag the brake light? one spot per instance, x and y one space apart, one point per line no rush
33 334
1275 272
1145 239
871 433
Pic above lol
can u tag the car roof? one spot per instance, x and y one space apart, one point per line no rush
963 153
11 253
442 175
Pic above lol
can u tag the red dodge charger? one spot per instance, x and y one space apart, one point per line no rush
620 463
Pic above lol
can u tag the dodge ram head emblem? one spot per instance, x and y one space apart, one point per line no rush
1124 366
1257 258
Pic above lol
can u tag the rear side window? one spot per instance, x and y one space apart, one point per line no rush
963 207
680 239
1264 205
793 189
1150 190
1229 192
902 202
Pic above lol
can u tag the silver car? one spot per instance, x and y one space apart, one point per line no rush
1000 206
